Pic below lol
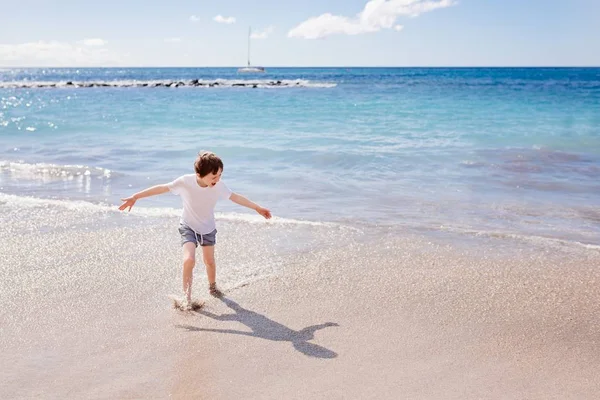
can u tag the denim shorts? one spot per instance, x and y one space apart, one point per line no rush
189 235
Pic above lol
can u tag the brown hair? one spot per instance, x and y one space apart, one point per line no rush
206 163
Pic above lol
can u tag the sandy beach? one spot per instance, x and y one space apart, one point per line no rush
433 325
87 315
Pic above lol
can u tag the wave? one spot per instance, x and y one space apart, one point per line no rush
540 240
27 202
253 219
43 170
198 83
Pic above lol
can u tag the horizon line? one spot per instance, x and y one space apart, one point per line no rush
313 66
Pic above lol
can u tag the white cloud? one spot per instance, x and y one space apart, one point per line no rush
262 34
224 20
194 19
173 40
93 42
376 15
57 54
398 28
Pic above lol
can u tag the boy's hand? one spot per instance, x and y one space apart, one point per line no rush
264 212
127 202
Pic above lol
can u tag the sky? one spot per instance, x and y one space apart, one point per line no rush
299 33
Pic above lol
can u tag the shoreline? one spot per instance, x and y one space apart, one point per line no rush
458 236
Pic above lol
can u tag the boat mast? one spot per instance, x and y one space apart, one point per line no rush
249 33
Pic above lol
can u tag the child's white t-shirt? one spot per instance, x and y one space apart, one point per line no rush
199 202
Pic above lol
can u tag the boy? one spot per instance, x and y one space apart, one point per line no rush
199 193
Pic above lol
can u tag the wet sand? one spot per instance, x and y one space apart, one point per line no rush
425 324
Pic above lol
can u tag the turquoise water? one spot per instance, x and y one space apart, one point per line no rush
498 152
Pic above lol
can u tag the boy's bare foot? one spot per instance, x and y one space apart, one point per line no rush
214 291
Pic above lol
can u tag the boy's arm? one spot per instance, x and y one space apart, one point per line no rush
242 201
151 191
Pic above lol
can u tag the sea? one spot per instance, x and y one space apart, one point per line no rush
500 152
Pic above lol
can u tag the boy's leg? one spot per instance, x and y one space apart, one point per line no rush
208 253
189 261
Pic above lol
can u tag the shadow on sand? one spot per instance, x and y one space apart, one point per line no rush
265 328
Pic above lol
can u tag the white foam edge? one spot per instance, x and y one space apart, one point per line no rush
102 208
523 238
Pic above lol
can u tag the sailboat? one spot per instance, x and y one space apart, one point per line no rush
250 68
